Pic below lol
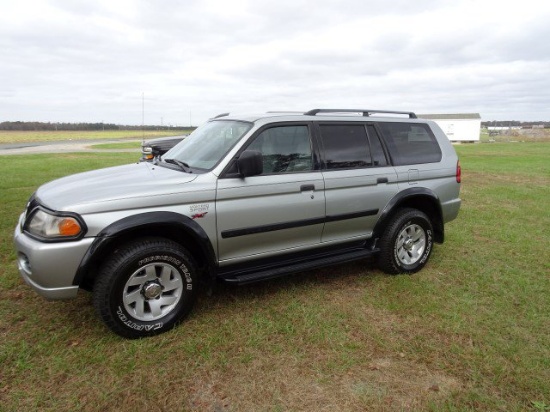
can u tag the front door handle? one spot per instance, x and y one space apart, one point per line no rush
307 188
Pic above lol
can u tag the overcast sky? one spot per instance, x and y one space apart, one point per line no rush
91 61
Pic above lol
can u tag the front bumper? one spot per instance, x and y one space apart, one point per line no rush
49 268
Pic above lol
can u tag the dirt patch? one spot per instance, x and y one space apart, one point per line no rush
381 384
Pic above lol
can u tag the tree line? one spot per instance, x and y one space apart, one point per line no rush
43 126
515 123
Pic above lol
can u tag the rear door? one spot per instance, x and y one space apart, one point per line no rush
359 180
283 209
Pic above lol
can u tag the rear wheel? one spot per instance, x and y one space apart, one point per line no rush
407 243
146 287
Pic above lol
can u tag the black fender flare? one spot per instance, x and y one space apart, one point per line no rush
404 198
104 239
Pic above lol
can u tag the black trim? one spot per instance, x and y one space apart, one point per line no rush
354 215
102 244
279 265
409 195
226 234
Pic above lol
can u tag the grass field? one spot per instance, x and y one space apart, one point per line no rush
468 333
116 146
40 136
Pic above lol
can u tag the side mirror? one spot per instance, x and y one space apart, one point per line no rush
250 163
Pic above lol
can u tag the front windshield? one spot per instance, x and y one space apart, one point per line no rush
207 145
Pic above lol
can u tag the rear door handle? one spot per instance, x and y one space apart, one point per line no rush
307 188
381 180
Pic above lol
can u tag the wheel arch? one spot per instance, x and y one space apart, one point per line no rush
420 198
168 225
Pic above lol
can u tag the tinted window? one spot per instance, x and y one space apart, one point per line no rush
411 143
284 149
345 146
378 156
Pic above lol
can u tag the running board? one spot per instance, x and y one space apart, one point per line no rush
264 274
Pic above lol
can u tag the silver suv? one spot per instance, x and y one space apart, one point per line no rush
242 199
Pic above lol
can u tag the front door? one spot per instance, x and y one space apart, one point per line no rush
283 209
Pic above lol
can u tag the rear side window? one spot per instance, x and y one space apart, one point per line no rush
346 146
411 143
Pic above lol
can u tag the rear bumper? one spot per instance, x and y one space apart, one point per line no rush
450 209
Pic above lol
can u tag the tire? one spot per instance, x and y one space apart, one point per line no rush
145 288
407 242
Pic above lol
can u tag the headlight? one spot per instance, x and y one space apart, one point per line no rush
45 225
147 152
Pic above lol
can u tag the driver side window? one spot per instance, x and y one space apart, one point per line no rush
285 149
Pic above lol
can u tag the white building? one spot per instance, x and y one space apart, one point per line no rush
463 127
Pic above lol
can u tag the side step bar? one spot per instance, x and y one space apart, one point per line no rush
263 274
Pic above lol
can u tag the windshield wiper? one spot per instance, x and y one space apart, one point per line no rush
183 166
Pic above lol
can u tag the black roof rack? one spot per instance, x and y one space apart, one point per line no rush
365 112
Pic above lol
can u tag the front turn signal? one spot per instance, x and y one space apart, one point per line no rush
69 226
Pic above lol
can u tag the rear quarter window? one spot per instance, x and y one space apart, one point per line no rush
410 143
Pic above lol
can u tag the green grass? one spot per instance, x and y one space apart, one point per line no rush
469 332
111 146
38 136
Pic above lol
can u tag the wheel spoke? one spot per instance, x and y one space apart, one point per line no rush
139 309
168 300
400 241
173 284
154 305
151 273
132 297
417 234
165 275
136 280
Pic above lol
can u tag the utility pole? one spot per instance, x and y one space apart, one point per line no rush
142 117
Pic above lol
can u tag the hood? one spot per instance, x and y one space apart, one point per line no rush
134 181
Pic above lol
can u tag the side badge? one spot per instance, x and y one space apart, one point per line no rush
199 211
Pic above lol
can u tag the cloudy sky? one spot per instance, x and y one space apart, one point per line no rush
93 61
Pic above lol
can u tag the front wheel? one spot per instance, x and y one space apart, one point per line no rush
147 287
407 243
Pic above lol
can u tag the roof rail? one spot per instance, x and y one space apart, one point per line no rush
366 113
221 115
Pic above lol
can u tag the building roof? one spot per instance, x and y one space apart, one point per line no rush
451 116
